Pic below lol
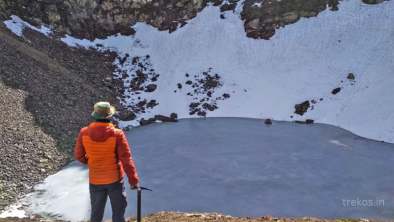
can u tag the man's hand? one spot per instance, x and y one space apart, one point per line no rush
135 187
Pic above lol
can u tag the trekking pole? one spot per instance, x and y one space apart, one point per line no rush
139 205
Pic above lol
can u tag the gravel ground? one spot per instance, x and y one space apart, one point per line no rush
198 217
47 91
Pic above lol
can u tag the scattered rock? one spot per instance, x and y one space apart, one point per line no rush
174 116
336 91
209 107
151 104
226 95
268 121
202 113
194 105
309 121
142 75
351 76
217 2
301 108
228 7
150 88
126 115
144 122
163 118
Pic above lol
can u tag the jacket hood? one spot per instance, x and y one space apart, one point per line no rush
98 131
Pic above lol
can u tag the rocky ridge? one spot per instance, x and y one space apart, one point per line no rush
92 19
263 18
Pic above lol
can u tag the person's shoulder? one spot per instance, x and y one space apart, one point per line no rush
83 130
118 132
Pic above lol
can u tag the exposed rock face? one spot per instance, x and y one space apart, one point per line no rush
262 18
100 18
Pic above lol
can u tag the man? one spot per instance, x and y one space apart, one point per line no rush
107 153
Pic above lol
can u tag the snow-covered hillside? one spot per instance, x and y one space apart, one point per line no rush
304 61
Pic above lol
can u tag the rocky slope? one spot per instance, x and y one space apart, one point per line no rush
90 18
46 91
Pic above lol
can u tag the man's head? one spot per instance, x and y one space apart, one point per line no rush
103 111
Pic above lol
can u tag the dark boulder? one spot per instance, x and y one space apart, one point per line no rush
174 116
301 108
226 95
126 115
144 122
309 121
150 88
268 121
163 118
351 76
336 91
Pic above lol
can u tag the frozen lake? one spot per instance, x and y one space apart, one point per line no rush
242 167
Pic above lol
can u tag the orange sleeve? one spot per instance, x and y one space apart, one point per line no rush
126 158
79 150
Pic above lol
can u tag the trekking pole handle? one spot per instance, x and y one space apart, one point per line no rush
141 188
144 188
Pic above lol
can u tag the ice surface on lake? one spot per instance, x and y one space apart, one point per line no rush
244 168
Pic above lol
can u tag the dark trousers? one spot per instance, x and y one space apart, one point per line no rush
98 199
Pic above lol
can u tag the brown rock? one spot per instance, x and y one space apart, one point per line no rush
301 108
126 115
351 76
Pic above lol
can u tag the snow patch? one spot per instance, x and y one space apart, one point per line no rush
17 25
15 210
69 196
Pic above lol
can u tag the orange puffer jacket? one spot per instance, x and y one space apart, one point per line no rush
106 151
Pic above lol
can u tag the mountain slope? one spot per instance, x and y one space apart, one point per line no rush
46 97
336 71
